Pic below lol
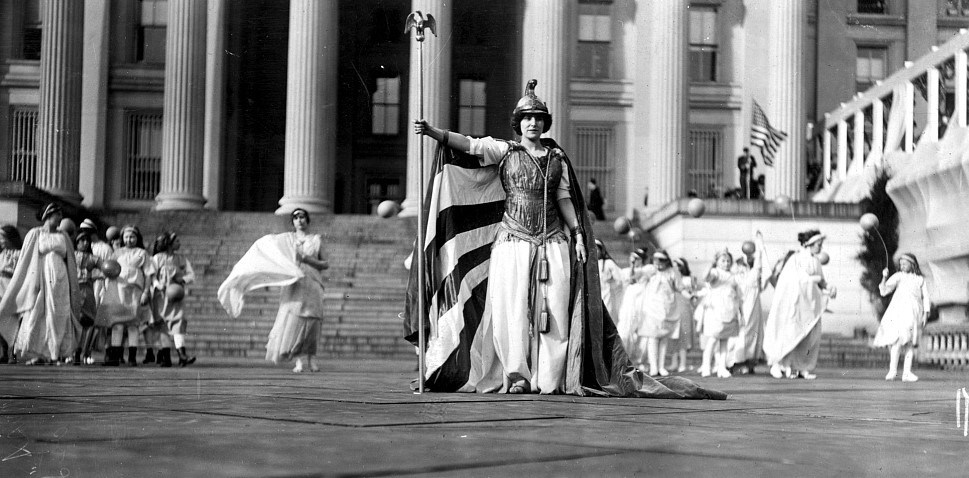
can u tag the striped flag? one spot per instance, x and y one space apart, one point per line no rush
463 208
764 136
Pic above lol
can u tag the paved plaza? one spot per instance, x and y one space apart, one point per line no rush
359 418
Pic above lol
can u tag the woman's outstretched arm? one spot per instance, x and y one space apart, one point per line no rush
455 141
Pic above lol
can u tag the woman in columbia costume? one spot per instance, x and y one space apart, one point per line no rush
543 328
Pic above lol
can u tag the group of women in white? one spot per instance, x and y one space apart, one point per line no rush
66 293
660 307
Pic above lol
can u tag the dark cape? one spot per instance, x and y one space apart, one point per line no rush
456 292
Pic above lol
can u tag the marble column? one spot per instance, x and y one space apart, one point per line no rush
59 123
214 100
311 106
547 48
94 102
437 95
660 104
183 124
785 105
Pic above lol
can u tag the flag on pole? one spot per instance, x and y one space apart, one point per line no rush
764 136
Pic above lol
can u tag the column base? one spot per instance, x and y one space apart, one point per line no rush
312 205
178 202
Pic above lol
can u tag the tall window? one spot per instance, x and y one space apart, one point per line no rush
23 145
595 158
595 42
706 165
151 31
704 44
386 107
957 8
33 31
870 66
143 150
872 6
471 107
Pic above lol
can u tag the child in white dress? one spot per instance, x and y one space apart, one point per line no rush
718 313
610 281
660 323
632 310
684 309
906 314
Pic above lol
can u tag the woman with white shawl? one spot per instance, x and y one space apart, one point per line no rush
292 261
44 291
792 333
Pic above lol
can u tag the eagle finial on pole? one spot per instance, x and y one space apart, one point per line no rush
419 22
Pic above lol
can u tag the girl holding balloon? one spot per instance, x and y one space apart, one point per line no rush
124 303
718 314
172 273
906 314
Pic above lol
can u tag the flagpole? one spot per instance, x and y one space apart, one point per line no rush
418 23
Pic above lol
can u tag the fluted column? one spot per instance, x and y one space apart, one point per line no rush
547 49
785 102
437 94
59 123
660 103
94 102
214 100
311 98
183 124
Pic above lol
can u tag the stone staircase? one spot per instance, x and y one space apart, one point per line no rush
365 283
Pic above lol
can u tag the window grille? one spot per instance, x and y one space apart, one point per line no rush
23 145
143 150
872 6
386 107
595 157
706 164
472 100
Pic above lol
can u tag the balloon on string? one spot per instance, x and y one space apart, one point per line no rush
824 258
748 247
112 233
387 209
621 225
111 269
868 221
782 203
67 226
175 292
635 234
696 207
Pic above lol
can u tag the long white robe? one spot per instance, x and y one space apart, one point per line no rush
792 333
749 342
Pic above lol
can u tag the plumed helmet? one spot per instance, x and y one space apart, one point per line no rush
530 104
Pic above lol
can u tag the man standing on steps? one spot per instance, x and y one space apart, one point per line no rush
746 164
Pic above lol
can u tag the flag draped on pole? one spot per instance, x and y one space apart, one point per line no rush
464 205
764 136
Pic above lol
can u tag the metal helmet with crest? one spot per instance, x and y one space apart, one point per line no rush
530 104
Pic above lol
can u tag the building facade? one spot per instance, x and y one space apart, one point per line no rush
266 105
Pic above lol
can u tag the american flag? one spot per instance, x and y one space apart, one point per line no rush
764 136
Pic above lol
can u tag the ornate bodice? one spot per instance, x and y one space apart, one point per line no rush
526 179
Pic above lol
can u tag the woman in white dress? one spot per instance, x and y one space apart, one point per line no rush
44 291
744 350
297 327
792 333
906 314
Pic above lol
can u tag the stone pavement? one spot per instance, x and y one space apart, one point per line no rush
360 419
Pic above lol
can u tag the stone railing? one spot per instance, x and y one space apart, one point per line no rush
904 126
945 346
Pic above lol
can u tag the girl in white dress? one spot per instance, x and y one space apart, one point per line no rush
718 314
660 323
124 303
683 308
610 281
631 312
905 315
